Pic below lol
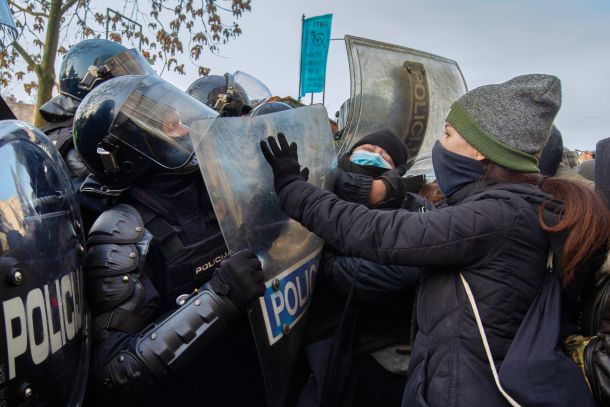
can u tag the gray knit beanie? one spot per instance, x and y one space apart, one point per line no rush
509 123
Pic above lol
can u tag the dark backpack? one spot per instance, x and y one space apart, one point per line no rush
596 354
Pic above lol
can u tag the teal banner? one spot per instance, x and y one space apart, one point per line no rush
314 52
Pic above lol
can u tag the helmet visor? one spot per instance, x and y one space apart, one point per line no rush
156 120
256 91
129 62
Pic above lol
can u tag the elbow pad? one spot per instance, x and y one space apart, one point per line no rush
167 346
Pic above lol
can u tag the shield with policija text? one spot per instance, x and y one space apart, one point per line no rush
240 185
44 353
407 91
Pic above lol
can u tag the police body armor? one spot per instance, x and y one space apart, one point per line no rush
141 265
44 355
186 232
149 255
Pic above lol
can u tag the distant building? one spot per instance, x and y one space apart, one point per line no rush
23 111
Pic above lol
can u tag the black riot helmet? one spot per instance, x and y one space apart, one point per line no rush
130 125
230 95
45 353
93 61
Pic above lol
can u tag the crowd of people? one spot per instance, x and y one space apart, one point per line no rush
482 287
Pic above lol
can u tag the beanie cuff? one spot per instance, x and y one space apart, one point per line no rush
488 145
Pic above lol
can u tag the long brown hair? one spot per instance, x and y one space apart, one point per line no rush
584 218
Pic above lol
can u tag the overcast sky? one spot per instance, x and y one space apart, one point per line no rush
492 41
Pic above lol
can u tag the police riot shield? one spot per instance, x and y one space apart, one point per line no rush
8 31
44 355
408 91
240 185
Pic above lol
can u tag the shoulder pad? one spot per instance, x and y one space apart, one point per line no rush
111 259
122 225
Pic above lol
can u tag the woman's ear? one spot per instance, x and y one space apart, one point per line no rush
478 156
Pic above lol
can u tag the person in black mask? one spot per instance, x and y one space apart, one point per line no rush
487 253
371 174
358 341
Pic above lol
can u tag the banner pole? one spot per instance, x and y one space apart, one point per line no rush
301 58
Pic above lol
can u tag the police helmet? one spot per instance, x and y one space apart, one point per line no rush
230 95
133 124
45 353
93 61
221 94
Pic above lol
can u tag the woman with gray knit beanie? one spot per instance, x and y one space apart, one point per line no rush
491 239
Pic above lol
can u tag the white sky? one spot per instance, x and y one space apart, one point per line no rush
491 40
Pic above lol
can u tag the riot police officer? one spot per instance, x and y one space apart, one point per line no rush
231 95
160 283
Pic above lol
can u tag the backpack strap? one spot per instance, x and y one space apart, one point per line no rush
473 304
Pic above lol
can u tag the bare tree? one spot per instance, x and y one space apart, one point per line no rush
157 26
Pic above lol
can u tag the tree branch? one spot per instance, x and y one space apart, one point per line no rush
27 57
30 12
67 6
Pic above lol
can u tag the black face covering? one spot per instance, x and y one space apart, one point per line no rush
454 171
348 166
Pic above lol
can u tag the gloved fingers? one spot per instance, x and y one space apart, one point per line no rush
267 153
283 144
293 151
258 276
243 254
275 149
305 173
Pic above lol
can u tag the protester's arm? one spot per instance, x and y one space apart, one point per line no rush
453 236
374 283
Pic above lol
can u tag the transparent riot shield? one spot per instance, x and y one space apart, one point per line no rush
45 323
240 185
402 89
8 31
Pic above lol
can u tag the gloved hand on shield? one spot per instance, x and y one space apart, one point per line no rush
284 161
395 185
240 277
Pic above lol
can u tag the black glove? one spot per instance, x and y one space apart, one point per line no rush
395 185
240 277
284 161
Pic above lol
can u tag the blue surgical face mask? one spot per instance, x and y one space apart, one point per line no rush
363 157
454 171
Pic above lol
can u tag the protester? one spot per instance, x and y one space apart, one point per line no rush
358 337
494 232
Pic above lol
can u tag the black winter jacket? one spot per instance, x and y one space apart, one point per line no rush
490 233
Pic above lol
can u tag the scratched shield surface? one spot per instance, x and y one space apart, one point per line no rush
240 185
407 91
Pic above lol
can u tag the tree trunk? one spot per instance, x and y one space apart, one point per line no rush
46 74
